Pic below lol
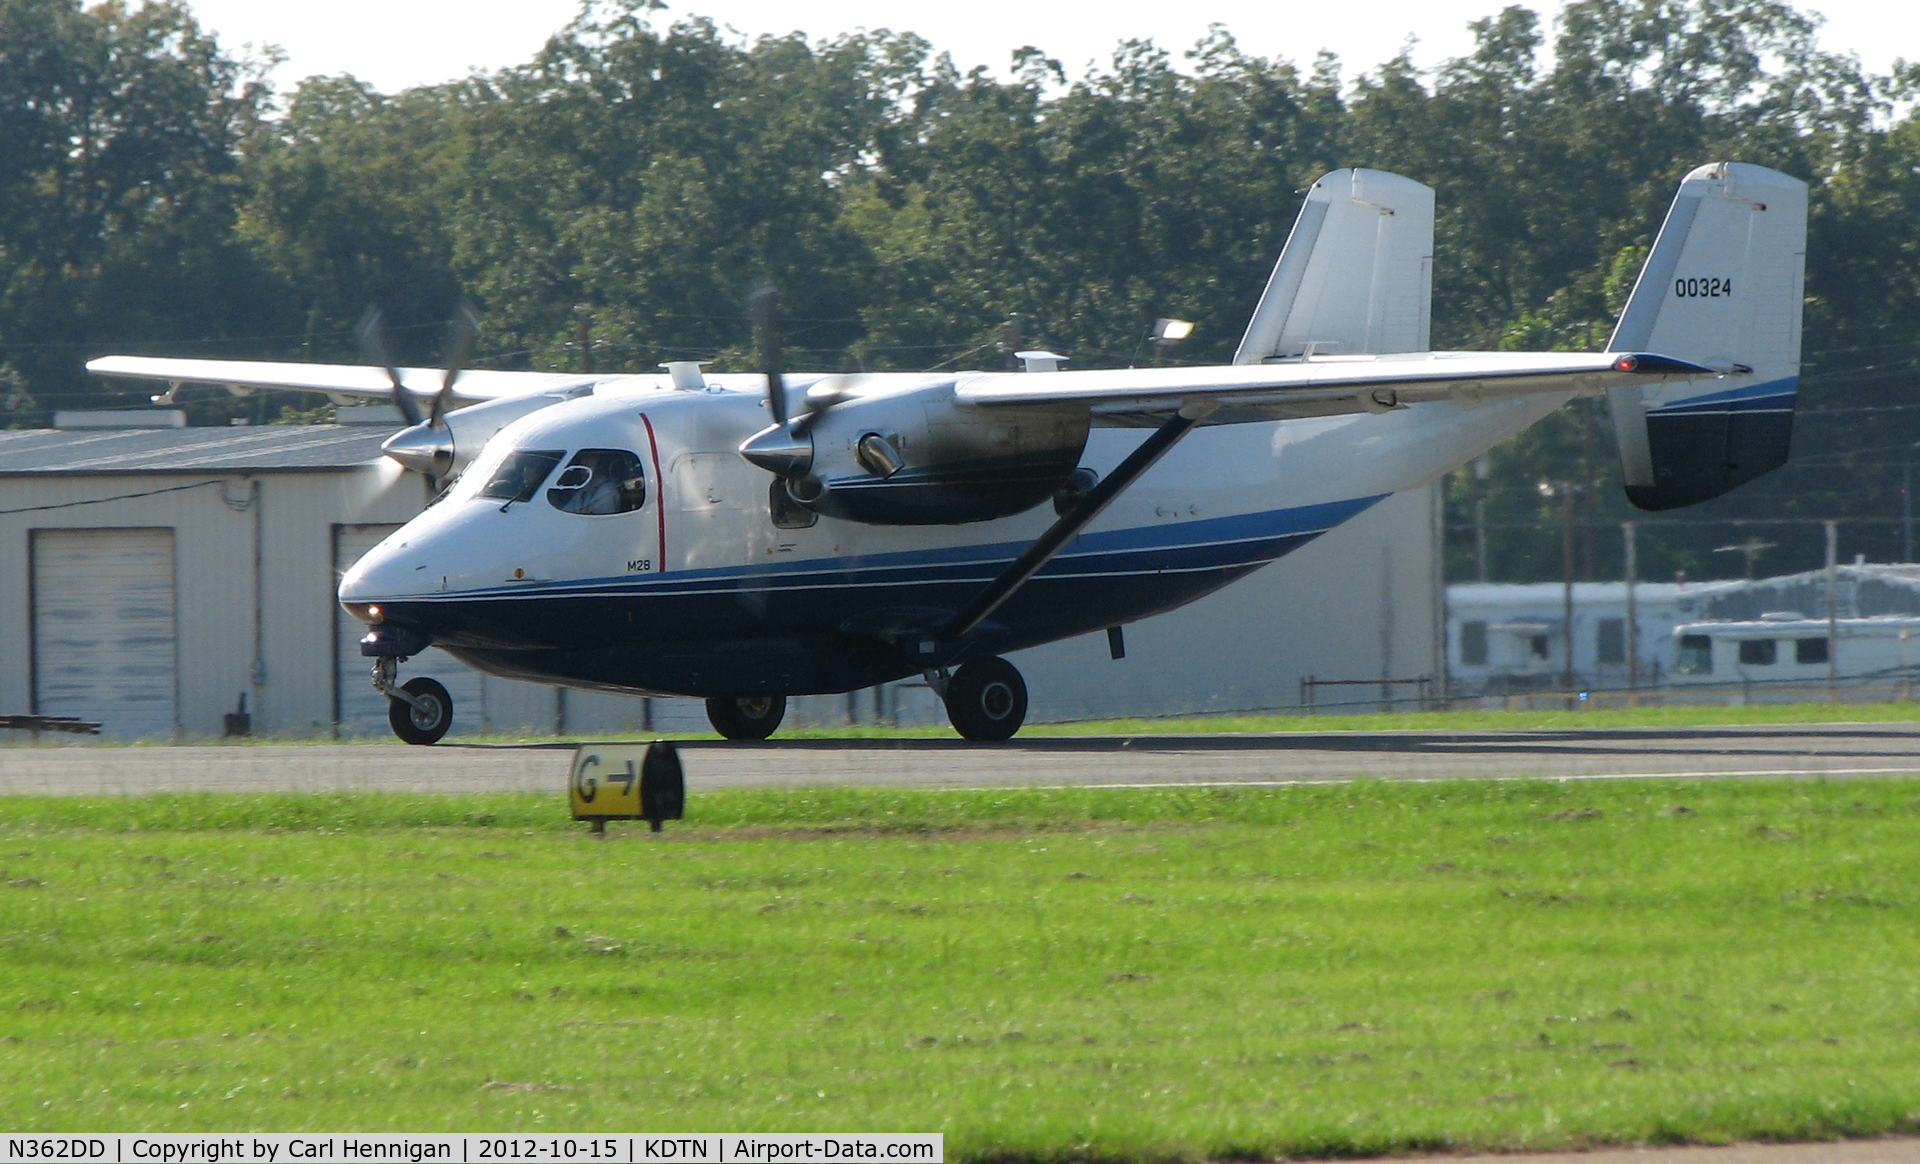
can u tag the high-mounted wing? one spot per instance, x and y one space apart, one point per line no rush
1318 386
335 379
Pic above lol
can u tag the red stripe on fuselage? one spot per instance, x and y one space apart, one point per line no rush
659 492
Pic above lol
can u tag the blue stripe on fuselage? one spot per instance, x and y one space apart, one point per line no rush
1207 543
1773 396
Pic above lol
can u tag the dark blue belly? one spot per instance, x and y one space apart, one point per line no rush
838 626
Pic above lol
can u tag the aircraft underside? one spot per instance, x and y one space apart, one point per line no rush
736 635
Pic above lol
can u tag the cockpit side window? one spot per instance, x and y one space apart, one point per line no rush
520 474
600 482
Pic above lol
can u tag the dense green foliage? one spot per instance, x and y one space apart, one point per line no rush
156 197
1041 974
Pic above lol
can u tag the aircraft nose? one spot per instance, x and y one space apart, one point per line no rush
384 572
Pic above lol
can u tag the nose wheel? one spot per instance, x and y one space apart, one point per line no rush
419 710
424 718
746 717
986 700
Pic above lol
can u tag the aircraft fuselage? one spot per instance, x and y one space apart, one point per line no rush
693 589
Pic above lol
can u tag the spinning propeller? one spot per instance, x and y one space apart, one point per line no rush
424 445
786 448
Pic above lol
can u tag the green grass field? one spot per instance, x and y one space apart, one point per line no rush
1040 974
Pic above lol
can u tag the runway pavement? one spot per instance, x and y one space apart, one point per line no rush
1865 750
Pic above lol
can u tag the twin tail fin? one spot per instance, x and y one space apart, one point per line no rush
1722 288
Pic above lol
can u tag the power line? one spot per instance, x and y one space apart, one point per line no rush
105 500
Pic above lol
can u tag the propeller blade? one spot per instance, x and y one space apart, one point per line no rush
763 308
820 398
463 334
372 334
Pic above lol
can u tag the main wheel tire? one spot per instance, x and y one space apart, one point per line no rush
746 717
421 725
987 700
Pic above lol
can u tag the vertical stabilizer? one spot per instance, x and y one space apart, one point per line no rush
1721 287
1356 274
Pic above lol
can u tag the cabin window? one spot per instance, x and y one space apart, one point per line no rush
1540 647
1696 655
520 474
1810 650
1473 644
1610 640
598 482
1757 653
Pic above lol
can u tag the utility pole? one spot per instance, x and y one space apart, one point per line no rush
583 319
1627 530
1011 341
1833 637
1906 511
1566 558
1482 469
1589 485
1480 538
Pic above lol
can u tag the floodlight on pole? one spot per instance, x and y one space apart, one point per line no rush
1171 331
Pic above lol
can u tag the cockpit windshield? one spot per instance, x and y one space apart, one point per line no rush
600 482
520 474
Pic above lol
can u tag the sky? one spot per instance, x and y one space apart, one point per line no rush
395 44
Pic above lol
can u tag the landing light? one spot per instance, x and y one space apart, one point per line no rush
373 612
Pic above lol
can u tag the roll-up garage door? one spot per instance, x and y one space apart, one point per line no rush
104 629
359 709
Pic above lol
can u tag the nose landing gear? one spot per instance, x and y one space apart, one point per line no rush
419 710
986 700
746 717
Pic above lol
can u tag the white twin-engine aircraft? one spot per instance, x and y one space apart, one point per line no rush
748 537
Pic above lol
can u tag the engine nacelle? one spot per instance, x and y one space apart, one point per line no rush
912 456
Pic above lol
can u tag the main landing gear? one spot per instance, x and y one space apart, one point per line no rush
746 717
986 699
420 710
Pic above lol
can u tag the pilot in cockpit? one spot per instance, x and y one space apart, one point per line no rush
600 482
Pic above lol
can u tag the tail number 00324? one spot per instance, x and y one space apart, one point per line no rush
1703 288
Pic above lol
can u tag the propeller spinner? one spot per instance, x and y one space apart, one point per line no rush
425 445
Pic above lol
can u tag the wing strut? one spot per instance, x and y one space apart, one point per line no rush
1074 520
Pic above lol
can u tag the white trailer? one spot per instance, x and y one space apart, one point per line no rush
1787 647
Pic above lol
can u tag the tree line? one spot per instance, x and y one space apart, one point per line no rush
618 192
